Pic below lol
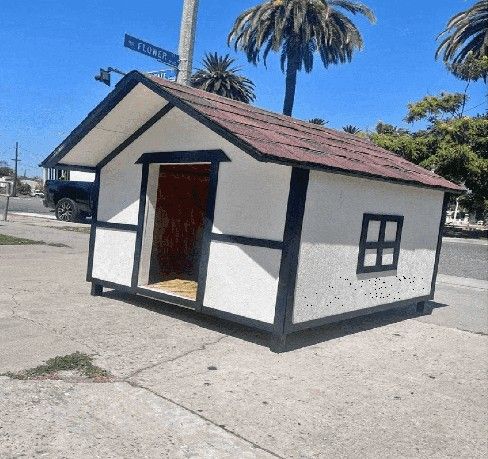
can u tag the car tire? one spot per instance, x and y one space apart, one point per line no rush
67 210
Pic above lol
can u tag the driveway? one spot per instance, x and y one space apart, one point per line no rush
390 385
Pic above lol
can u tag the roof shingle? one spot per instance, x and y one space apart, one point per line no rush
284 139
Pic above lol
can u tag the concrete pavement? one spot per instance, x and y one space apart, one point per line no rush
390 385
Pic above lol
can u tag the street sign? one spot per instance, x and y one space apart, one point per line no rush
166 57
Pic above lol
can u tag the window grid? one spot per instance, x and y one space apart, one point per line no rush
379 245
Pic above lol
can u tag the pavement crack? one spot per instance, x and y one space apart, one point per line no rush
15 314
206 419
173 359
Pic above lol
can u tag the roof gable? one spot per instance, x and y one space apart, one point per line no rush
268 136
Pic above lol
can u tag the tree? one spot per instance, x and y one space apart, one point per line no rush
464 33
219 77
187 40
451 146
318 121
350 129
6 171
433 107
298 29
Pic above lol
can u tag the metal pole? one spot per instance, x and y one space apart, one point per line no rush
14 190
5 214
187 40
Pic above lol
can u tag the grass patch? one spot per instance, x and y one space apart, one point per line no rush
74 229
12 240
79 362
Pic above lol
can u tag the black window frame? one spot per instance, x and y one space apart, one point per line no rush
380 244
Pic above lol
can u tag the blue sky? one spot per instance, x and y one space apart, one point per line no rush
50 51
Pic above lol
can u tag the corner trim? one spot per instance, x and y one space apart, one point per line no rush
445 202
285 296
91 244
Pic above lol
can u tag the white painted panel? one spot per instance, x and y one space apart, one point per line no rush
327 283
120 187
80 176
243 280
251 196
113 256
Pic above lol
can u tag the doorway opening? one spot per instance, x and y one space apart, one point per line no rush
179 220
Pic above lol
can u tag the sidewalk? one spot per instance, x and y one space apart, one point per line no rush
389 385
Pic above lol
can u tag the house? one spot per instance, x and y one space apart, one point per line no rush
248 215
56 173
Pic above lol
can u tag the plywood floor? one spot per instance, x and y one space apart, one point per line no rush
181 287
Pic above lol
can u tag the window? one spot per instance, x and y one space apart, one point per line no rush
379 247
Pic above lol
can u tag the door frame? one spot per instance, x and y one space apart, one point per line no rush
212 157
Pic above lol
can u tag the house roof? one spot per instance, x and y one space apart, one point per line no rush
272 137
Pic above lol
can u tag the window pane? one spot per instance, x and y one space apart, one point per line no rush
373 231
370 257
390 231
387 257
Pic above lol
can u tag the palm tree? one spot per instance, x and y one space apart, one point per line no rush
464 33
299 28
218 76
350 129
318 121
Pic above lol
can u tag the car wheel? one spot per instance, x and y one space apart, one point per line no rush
67 210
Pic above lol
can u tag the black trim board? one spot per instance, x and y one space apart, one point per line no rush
116 226
445 203
255 242
148 124
140 226
91 244
207 230
285 296
190 156
352 314
134 77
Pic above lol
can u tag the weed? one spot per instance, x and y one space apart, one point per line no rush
82 363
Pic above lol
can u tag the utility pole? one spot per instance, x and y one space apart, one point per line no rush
187 40
16 160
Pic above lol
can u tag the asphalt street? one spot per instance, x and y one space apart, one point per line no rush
23 204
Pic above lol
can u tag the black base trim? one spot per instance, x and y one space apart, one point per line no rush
352 314
96 289
253 323
255 242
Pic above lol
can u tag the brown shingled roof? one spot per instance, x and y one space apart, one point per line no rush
280 138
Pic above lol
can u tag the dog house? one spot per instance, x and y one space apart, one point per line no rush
249 215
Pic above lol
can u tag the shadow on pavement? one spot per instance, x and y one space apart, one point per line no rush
295 340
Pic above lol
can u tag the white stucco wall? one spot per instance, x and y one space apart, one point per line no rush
114 255
327 283
79 176
243 280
